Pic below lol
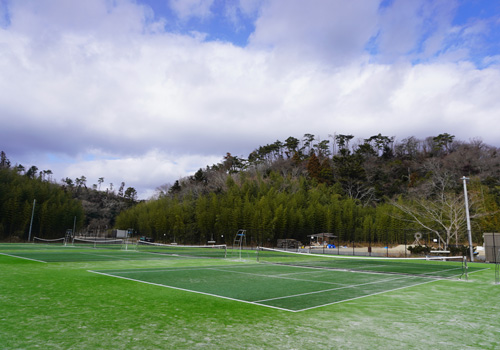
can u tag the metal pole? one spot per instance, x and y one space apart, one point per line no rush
406 245
494 249
31 223
471 249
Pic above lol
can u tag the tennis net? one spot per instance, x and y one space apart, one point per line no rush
98 243
433 267
54 241
199 251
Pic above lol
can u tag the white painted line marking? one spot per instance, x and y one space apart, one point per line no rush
192 291
22 257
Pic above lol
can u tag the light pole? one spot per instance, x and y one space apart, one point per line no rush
471 250
31 222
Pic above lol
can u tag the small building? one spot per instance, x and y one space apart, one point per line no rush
120 233
288 243
321 238
491 247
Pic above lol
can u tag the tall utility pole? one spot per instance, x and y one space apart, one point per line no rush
471 249
31 223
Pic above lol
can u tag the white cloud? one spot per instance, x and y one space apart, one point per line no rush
157 106
186 9
240 10
333 31
144 173
45 20
415 29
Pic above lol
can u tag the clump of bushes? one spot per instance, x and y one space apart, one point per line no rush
460 250
455 250
419 249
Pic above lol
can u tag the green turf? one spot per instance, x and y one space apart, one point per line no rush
433 267
285 287
61 305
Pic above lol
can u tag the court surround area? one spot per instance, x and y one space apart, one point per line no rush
269 278
115 297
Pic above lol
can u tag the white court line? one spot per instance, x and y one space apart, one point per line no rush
104 255
174 269
192 291
22 257
365 296
154 270
260 302
274 276
332 289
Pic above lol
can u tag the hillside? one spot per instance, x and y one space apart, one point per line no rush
376 189
30 198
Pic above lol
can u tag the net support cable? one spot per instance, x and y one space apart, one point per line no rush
50 241
98 243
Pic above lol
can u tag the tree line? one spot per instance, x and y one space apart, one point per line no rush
59 206
53 213
269 207
376 189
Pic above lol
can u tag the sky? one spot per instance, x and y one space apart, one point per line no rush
149 91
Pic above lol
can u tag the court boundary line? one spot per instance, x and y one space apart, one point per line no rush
192 291
22 257
341 287
261 302
273 276
369 295
103 255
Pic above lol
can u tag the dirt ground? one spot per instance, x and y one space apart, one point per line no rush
392 251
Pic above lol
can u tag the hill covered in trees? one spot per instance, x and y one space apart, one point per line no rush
56 207
375 189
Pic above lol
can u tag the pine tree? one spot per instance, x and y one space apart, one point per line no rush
314 167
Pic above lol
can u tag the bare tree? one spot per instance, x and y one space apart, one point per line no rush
437 205
444 215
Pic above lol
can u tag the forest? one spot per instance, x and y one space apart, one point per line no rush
376 190
33 204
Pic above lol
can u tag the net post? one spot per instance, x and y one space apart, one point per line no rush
465 267
497 267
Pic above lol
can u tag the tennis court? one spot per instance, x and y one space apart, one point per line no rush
166 299
51 254
281 280
291 287
106 251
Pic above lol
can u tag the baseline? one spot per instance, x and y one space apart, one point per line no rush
22 257
189 290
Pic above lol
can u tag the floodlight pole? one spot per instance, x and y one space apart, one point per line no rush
31 222
471 249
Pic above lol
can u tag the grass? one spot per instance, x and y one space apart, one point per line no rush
61 305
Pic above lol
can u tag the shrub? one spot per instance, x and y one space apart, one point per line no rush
457 250
419 249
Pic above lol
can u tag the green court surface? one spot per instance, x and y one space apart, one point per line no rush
283 287
46 253
82 298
